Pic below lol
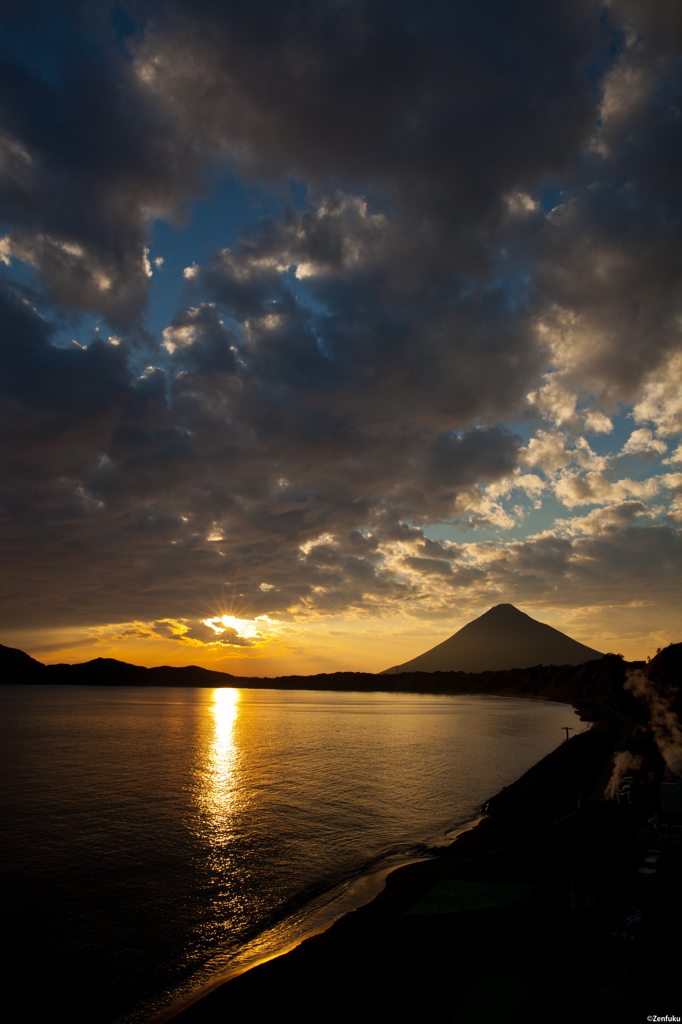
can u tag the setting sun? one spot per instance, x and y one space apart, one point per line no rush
221 623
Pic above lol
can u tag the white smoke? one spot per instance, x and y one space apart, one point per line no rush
663 721
623 763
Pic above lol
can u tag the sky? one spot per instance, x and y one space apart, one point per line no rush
329 325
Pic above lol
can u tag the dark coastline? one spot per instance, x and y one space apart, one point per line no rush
563 953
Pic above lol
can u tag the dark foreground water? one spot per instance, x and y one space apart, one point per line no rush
155 838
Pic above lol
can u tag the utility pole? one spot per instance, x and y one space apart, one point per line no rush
568 728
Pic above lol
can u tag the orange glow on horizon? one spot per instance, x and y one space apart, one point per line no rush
265 648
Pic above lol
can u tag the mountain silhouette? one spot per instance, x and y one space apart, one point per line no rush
502 638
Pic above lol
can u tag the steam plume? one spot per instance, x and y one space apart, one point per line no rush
663 721
623 763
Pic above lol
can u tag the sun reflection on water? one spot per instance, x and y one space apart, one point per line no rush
221 778
225 708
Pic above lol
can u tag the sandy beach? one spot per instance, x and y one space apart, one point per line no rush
536 913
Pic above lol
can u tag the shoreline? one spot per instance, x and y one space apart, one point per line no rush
374 883
365 889
576 867
202 1004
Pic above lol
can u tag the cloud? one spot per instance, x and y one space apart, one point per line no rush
372 97
603 520
661 402
625 559
642 442
83 279
420 117
547 450
596 488
430 566
88 161
192 633
676 456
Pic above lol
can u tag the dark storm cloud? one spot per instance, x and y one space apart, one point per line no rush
611 257
659 21
479 455
623 565
344 369
435 103
626 563
87 159
113 116
608 256
364 384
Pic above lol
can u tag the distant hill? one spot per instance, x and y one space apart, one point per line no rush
18 667
502 638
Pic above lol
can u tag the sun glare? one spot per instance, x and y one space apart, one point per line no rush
243 627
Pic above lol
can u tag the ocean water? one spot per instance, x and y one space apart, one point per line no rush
154 839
